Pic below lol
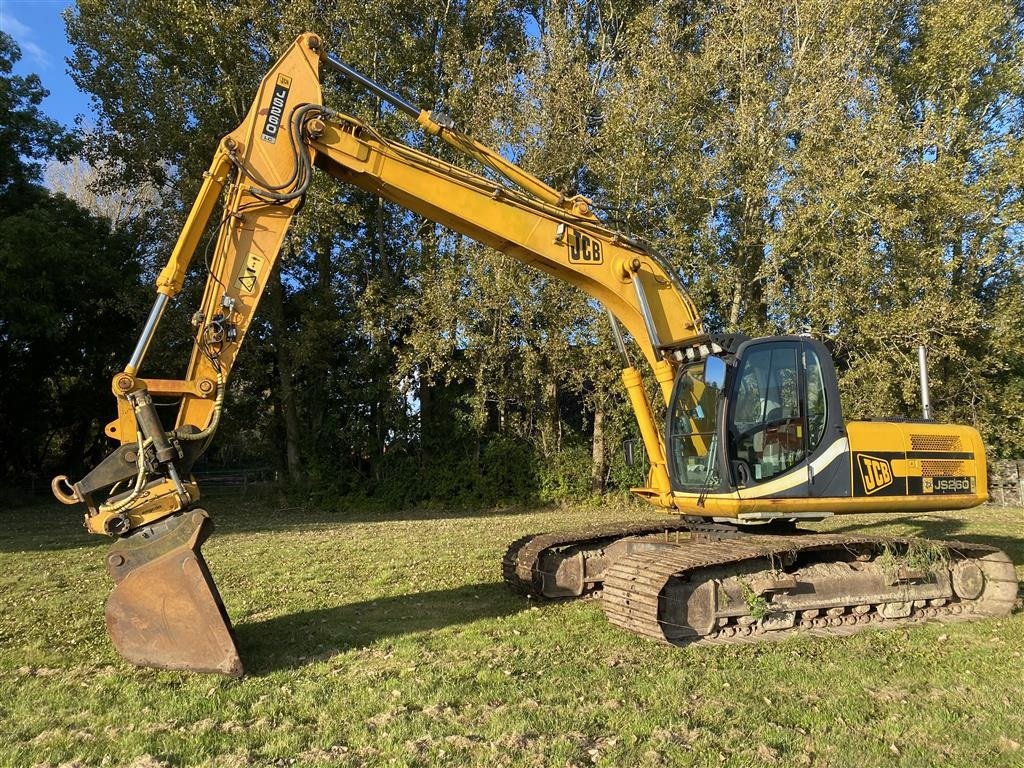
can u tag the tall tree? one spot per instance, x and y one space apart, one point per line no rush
27 136
68 288
852 168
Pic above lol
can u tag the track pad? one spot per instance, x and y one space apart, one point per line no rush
165 611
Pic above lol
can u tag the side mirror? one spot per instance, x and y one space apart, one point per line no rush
714 372
629 452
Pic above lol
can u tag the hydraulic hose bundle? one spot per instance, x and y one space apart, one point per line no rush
298 183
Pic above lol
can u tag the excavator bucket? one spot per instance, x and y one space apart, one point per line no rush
165 611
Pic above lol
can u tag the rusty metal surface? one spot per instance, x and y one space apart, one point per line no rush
164 610
521 565
647 592
643 559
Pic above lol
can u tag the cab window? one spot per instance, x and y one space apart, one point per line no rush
692 438
817 407
767 423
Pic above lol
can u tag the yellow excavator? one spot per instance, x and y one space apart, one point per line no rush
753 440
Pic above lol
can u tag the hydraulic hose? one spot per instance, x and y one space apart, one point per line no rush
113 508
218 407
140 478
302 172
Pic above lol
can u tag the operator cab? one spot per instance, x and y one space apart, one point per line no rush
759 416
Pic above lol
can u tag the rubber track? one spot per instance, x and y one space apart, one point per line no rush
520 567
633 585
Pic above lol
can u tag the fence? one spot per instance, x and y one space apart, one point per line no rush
31 486
243 478
1006 483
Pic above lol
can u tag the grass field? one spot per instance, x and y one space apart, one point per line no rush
388 639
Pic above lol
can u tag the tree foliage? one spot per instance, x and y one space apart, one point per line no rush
27 136
848 168
69 290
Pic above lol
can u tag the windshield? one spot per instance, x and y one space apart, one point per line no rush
692 433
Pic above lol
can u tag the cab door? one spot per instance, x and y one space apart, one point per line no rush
783 408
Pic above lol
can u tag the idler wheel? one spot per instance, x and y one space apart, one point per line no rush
968 580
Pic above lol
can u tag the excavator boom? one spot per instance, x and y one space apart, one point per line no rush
787 456
165 610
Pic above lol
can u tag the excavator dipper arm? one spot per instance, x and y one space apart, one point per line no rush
165 610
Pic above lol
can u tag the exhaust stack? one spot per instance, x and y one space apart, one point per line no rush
926 400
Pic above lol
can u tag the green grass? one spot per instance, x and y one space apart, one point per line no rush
388 639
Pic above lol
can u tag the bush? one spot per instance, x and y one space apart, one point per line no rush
508 470
565 475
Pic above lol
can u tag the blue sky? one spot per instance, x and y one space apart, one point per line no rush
38 28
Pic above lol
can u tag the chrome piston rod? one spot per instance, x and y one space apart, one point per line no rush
645 310
147 333
390 97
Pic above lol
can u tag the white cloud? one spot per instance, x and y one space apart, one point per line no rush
12 26
34 52
23 34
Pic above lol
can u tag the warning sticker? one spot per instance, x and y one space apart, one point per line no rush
249 277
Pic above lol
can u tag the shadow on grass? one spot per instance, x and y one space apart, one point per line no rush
49 526
941 528
250 516
298 639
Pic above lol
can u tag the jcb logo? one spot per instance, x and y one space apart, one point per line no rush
876 474
583 249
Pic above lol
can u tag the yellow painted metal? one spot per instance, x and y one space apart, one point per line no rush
534 224
657 479
533 231
197 388
123 427
252 230
665 374
528 229
875 436
172 276
729 505
159 500
538 226
487 156
530 221
900 443
913 437
981 465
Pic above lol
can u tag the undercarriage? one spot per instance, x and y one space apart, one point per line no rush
685 582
